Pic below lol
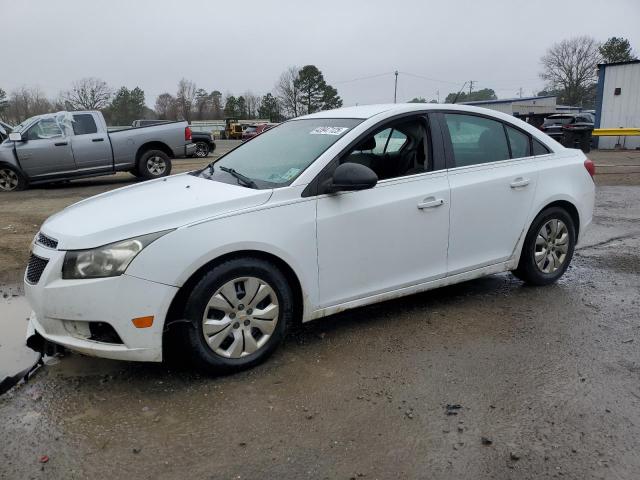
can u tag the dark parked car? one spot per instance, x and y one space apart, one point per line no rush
557 125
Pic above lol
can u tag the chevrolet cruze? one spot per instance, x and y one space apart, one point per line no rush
318 215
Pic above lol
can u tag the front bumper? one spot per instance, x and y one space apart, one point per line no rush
64 309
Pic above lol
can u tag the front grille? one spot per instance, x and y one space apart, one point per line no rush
45 241
35 267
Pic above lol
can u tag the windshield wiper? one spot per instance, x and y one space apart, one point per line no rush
243 178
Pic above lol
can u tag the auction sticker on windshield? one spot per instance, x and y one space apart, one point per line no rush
328 130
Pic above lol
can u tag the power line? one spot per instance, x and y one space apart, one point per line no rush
429 78
366 78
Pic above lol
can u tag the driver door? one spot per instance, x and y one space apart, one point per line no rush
46 151
391 236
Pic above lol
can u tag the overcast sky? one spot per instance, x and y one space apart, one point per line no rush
235 46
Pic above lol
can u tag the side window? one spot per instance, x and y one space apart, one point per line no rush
389 141
519 143
539 148
476 140
45 128
84 124
396 151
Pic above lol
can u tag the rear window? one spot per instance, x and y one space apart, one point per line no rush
84 124
539 148
557 120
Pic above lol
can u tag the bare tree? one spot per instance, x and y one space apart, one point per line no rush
166 107
287 92
185 98
571 67
4 103
253 103
26 102
88 94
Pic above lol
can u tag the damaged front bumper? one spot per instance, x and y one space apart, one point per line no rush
94 316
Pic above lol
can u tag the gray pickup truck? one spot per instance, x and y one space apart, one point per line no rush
69 145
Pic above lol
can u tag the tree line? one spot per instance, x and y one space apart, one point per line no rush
298 91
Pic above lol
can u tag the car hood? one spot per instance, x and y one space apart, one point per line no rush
147 207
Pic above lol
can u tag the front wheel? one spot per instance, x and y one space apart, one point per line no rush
11 179
154 164
548 247
238 314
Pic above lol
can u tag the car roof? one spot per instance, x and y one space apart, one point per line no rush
369 111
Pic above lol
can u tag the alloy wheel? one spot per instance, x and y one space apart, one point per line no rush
201 150
240 317
8 180
156 165
552 245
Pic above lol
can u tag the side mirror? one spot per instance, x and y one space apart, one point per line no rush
352 176
15 137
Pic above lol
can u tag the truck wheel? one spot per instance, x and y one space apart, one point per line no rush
237 315
202 150
154 164
11 179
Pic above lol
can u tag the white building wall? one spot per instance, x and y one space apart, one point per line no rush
621 110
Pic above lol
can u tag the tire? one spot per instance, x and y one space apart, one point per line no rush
11 179
222 345
544 260
154 164
202 150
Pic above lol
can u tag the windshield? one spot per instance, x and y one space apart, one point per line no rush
19 128
278 156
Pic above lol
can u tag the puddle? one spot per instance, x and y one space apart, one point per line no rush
14 354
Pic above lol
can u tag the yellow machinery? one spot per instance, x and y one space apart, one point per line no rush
233 129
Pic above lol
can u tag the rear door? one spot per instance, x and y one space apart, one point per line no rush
91 149
46 151
492 176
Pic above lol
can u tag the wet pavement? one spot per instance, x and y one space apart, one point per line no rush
486 379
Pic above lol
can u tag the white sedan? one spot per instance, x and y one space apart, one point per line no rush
320 214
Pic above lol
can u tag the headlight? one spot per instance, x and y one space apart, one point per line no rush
106 261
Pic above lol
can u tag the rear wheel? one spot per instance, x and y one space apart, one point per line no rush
548 247
238 314
154 164
11 179
202 150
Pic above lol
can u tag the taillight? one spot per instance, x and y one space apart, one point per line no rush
590 166
187 134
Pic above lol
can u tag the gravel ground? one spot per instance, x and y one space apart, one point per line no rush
486 379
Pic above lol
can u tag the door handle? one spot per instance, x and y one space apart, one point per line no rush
520 182
430 203
98 140
60 144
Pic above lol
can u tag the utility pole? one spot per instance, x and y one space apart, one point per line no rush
438 94
520 92
471 82
395 90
